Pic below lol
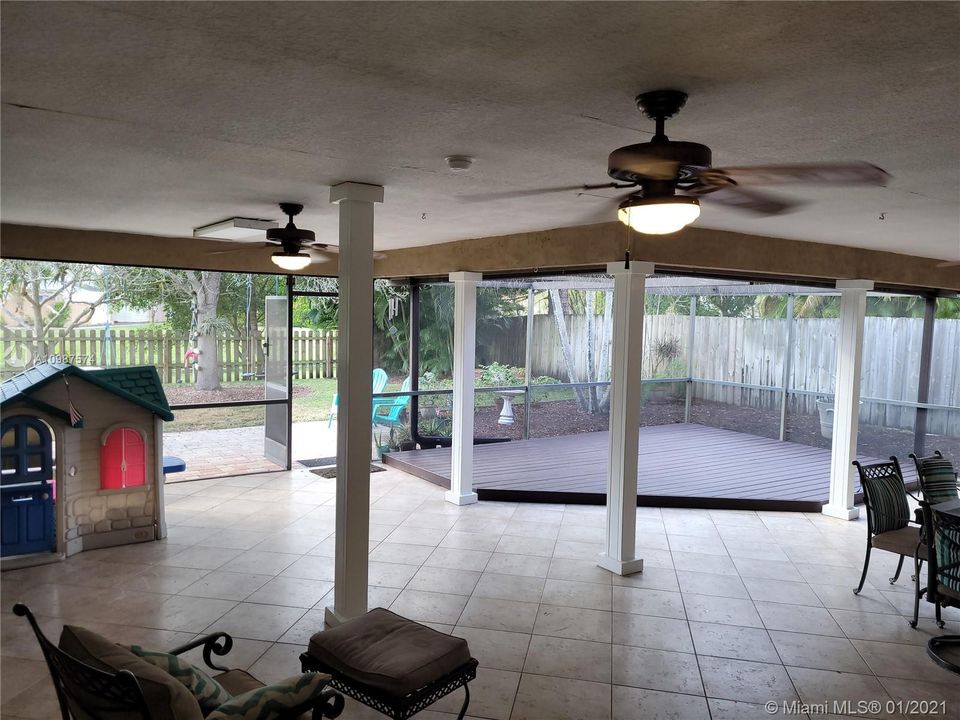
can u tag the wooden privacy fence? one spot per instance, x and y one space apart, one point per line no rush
752 351
241 358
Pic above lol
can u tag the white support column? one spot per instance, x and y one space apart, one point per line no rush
619 555
464 362
355 388
846 399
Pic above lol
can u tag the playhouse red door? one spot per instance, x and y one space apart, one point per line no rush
122 460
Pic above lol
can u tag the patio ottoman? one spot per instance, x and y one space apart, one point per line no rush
391 664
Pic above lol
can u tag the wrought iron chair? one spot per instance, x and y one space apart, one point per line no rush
938 483
85 692
945 649
888 518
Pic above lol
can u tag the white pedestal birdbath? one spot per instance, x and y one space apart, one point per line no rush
506 412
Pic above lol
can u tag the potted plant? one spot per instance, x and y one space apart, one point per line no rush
666 352
825 410
400 439
382 443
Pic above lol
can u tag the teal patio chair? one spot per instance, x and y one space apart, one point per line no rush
388 412
379 383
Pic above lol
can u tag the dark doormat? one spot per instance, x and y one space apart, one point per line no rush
319 462
331 472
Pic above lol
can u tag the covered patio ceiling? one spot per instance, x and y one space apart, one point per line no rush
156 118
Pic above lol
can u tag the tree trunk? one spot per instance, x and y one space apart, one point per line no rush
39 344
606 333
206 286
591 360
565 346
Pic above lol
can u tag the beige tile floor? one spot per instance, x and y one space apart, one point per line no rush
733 610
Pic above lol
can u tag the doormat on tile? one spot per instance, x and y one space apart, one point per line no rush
319 462
331 472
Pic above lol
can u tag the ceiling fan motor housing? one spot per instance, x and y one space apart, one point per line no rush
290 237
656 160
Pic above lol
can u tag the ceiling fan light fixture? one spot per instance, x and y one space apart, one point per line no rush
290 260
659 215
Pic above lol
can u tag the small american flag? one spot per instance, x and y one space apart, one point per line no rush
76 417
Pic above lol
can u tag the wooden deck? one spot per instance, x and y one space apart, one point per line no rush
683 465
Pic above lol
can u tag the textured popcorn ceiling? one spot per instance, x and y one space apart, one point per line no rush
157 118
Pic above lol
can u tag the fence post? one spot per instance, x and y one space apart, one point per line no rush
166 371
690 338
787 364
328 356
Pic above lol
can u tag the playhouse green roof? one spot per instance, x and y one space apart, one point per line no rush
139 385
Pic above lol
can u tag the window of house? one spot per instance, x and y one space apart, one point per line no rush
123 460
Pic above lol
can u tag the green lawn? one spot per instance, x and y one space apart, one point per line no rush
311 406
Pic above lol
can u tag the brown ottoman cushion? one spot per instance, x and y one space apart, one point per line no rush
388 652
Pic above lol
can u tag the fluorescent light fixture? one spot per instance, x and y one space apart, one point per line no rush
659 215
235 228
290 261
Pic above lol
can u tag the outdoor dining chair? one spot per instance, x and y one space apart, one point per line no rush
888 518
945 649
938 484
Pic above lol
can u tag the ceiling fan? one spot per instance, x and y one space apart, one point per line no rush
668 177
292 241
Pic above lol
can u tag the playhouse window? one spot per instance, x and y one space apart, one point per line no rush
123 461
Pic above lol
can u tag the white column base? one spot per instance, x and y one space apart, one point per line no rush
460 499
843 513
620 567
331 617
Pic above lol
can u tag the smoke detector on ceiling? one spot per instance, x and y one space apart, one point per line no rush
459 163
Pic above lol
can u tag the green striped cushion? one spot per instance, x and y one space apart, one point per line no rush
209 693
888 503
939 480
948 554
272 701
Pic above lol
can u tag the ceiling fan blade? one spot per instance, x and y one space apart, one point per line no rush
852 173
247 249
758 203
489 197
330 250
949 263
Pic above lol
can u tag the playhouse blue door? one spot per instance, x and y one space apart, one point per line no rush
26 487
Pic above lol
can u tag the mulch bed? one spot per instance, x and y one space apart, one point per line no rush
189 395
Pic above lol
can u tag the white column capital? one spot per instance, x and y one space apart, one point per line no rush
362 192
636 268
465 277
864 285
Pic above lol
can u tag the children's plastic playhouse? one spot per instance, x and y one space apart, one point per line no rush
82 460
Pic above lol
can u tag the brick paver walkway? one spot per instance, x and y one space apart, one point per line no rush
239 451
